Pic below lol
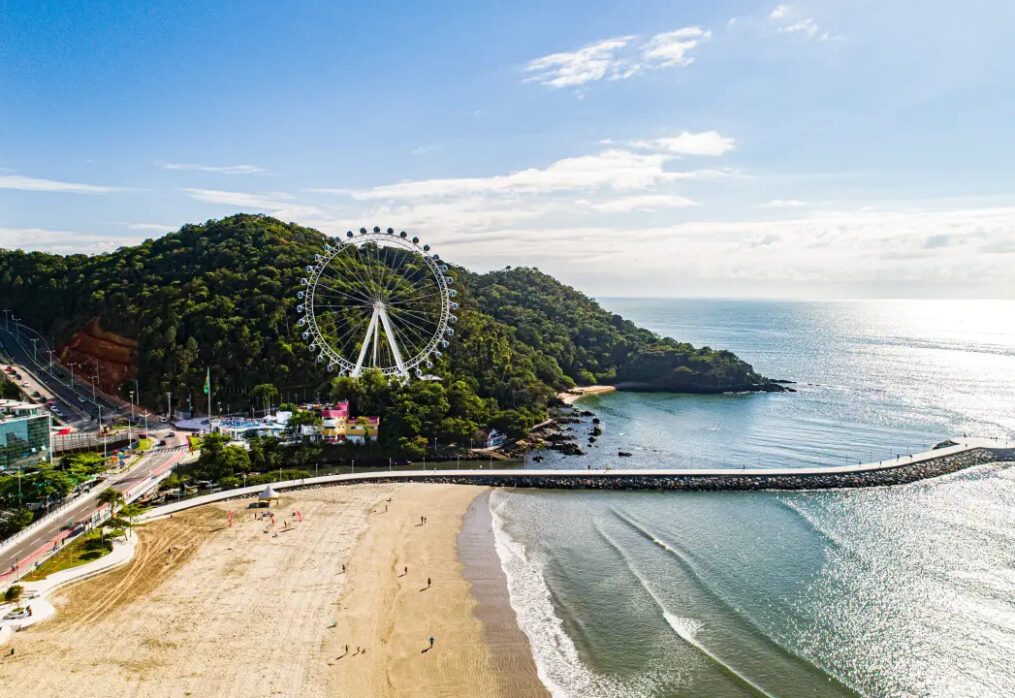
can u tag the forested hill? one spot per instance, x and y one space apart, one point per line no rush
223 295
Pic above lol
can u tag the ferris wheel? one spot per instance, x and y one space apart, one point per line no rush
379 299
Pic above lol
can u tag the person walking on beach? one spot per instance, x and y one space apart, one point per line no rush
427 582
431 642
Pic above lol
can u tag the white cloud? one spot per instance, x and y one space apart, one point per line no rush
688 143
806 26
614 168
151 227
593 62
217 169
780 12
61 241
803 26
784 203
671 48
644 202
617 58
279 204
35 184
425 149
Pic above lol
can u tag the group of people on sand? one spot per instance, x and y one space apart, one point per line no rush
405 573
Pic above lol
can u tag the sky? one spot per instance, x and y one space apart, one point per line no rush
805 150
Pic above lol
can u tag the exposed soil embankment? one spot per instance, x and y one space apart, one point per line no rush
116 355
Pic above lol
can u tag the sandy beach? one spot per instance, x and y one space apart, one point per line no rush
569 397
259 610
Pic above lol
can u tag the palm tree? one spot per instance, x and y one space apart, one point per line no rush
130 511
113 498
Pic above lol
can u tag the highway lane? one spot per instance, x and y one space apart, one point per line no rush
24 552
73 415
77 397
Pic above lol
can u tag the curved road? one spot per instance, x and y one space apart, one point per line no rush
21 556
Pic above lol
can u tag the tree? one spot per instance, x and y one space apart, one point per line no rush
130 512
265 394
114 499
13 593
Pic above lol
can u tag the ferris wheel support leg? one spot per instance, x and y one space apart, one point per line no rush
395 351
371 333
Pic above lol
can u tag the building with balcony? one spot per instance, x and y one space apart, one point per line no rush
25 438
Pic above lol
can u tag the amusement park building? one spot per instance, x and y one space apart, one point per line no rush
338 426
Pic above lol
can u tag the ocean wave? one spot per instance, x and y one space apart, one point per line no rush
814 523
685 628
557 662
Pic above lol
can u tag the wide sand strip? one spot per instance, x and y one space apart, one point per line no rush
389 614
206 609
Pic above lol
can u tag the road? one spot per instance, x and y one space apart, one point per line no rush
25 552
77 398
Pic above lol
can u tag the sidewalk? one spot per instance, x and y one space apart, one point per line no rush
35 593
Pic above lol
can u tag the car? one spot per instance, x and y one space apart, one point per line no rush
81 400
24 384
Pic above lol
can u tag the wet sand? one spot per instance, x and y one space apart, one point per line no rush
392 614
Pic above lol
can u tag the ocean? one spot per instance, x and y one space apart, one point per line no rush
904 591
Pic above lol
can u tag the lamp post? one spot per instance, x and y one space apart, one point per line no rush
50 352
35 348
130 432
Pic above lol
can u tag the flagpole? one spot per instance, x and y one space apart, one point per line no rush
208 381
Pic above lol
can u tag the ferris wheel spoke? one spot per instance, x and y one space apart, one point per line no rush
415 315
344 333
352 269
341 286
422 319
421 331
353 264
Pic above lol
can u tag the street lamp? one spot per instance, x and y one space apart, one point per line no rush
130 433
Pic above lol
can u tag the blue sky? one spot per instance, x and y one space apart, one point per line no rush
806 149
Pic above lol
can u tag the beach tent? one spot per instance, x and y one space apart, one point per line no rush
268 494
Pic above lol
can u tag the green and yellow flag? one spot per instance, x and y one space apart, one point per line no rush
207 383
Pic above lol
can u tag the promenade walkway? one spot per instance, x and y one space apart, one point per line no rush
966 453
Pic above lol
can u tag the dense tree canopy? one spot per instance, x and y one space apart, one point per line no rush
222 296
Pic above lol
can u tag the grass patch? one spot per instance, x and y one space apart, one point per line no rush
144 444
195 443
85 549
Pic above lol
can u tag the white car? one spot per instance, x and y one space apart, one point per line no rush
81 400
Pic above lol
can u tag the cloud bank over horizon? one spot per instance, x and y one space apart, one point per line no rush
792 150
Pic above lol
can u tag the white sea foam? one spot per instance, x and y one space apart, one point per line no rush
685 628
557 662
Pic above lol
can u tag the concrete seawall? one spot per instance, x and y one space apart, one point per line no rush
931 464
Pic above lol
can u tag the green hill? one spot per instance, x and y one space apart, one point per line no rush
222 295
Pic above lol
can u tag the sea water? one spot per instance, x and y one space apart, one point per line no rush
903 591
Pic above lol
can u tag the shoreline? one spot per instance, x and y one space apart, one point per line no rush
482 568
569 397
410 581
219 600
